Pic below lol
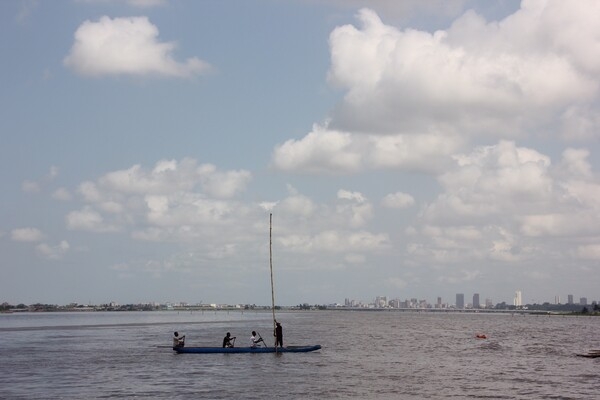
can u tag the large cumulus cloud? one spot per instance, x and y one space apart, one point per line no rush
476 78
414 98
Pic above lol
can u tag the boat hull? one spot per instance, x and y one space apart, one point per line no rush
590 355
209 350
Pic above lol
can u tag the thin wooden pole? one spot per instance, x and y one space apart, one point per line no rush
271 265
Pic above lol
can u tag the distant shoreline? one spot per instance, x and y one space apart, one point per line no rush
295 309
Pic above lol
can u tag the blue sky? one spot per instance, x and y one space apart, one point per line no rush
410 149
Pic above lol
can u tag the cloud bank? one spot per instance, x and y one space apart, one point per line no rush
414 98
453 105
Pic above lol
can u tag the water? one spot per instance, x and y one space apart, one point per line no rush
365 355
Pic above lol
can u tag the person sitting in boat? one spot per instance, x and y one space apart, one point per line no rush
178 341
254 341
228 341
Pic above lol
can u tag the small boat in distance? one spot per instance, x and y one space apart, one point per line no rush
209 350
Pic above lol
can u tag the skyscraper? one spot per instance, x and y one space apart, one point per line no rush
460 300
570 299
476 301
518 301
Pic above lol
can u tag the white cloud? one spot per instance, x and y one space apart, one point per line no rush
53 252
320 151
27 235
302 224
126 46
576 223
268 205
428 152
329 151
183 209
297 204
226 184
88 219
169 176
476 78
163 201
90 192
356 196
493 180
398 200
357 211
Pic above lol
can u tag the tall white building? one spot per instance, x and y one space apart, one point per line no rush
518 300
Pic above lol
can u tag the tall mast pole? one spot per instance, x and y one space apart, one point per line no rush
271 265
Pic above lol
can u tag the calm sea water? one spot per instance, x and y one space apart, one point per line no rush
365 355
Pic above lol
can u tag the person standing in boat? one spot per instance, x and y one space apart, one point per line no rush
227 340
254 340
178 341
278 333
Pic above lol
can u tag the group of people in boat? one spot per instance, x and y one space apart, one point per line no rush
229 341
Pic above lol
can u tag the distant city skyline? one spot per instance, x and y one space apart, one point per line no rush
377 301
459 300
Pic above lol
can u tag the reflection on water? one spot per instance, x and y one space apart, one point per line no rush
377 355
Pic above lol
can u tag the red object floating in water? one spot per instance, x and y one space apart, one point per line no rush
481 336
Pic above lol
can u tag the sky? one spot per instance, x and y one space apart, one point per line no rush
413 149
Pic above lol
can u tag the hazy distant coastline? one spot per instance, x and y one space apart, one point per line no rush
546 308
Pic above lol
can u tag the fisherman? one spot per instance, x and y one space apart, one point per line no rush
227 340
278 333
254 340
178 341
